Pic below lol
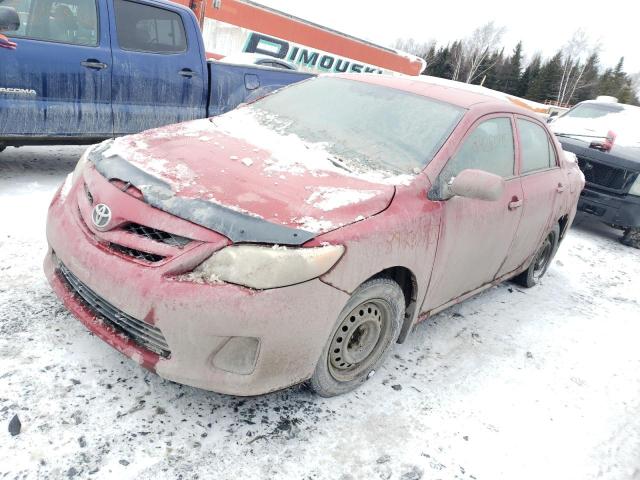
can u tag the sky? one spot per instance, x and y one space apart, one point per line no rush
543 26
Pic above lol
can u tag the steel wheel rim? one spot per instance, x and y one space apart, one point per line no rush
358 341
542 259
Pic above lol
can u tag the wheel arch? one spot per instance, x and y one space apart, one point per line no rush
409 285
563 222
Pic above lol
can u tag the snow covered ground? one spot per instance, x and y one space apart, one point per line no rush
513 384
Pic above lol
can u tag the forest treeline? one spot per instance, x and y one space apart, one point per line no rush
572 75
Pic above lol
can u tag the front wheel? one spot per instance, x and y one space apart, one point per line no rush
362 338
541 261
631 237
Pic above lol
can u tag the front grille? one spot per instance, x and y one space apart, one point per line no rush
137 254
156 235
145 335
605 176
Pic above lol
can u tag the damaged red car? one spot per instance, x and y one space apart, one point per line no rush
299 237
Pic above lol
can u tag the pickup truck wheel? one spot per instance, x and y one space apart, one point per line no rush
541 260
362 338
2 147
631 237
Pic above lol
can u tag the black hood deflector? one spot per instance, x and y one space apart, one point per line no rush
237 226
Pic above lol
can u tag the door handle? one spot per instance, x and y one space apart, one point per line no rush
187 72
515 203
561 188
94 64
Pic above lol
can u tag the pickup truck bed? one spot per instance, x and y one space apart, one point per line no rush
142 66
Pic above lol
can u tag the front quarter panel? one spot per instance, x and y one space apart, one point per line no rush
404 235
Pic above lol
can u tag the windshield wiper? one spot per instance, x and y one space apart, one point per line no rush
340 165
579 135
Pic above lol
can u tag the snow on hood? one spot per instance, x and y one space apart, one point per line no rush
236 162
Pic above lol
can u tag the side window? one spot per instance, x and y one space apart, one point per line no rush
63 21
143 28
537 153
489 147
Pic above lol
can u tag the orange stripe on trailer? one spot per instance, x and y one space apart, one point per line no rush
287 27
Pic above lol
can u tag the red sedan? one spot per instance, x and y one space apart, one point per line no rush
298 238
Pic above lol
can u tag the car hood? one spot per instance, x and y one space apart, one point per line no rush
199 164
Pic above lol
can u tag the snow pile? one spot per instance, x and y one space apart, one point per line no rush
329 198
291 154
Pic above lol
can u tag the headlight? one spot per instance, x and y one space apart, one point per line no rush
635 188
263 267
81 165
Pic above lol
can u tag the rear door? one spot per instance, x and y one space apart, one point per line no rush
158 73
57 82
475 235
543 182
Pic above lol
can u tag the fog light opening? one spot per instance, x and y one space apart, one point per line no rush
239 355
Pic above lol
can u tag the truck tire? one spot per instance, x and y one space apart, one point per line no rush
362 338
2 147
541 260
631 237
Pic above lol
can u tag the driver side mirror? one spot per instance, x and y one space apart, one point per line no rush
476 184
9 19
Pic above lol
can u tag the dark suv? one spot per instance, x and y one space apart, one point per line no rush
605 136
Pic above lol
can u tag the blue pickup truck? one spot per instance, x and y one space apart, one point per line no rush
79 71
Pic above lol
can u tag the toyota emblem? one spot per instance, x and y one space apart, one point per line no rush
101 215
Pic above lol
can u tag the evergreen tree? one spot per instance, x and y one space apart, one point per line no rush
530 73
545 85
511 72
588 86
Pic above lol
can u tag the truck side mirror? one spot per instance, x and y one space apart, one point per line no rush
9 19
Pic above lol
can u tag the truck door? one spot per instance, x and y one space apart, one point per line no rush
158 72
57 81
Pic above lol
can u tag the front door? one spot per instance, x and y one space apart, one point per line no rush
475 235
57 81
158 75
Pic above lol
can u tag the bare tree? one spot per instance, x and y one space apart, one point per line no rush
477 48
574 54
410 45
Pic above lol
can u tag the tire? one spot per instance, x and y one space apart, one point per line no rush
361 339
631 237
541 260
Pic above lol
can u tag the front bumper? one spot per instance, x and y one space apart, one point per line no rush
291 324
621 211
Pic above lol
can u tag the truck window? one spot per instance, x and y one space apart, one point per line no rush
488 147
142 28
64 21
536 150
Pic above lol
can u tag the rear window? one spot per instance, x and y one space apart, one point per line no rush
375 127
143 28
537 153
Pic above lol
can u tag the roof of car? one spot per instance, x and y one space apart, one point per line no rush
456 93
